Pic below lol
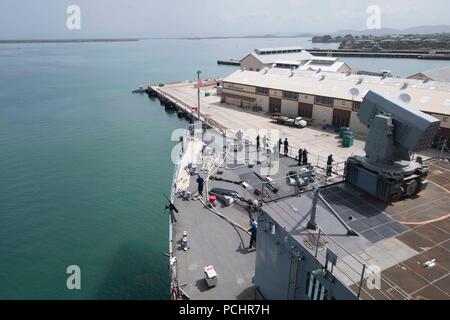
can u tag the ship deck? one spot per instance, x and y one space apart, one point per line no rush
398 237
212 240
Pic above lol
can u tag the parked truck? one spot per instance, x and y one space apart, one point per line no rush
298 122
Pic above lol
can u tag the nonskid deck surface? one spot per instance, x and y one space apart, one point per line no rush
214 241
400 243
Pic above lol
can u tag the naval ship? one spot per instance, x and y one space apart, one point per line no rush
369 228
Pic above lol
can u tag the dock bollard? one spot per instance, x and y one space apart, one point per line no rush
184 241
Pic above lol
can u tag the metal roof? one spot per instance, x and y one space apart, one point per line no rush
258 50
441 74
293 62
325 58
334 67
431 97
272 58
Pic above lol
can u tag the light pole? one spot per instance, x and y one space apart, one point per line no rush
198 92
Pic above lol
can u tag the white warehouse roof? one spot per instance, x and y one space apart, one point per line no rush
272 58
279 49
333 67
292 62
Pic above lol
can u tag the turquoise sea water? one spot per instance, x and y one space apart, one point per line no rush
84 163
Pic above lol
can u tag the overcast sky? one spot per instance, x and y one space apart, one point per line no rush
150 18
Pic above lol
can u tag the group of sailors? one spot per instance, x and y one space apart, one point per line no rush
302 153
265 144
302 157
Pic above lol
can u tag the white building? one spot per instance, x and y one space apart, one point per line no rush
329 98
326 64
290 57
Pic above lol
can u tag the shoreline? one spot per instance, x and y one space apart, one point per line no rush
25 41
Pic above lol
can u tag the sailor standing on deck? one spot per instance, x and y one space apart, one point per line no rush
182 144
305 157
200 183
286 147
192 130
300 156
280 143
253 229
330 165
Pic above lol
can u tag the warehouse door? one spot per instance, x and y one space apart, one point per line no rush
305 110
274 105
341 118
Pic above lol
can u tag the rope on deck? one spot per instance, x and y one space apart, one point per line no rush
224 217
216 166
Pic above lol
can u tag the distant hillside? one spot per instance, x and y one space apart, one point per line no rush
389 31
429 29
66 40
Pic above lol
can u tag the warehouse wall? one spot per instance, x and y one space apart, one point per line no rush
276 93
306 98
445 120
344 69
322 115
239 87
250 63
357 126
444 131
343 104
289 108
261 101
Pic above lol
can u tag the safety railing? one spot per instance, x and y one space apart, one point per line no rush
314 175
175 291
318 160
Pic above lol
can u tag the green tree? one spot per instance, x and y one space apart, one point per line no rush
348 37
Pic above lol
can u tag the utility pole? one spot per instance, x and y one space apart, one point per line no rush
199 82
198 92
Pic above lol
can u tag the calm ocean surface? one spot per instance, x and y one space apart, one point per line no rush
84 163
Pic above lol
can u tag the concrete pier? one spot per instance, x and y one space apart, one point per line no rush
319 143
444 55
348 53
